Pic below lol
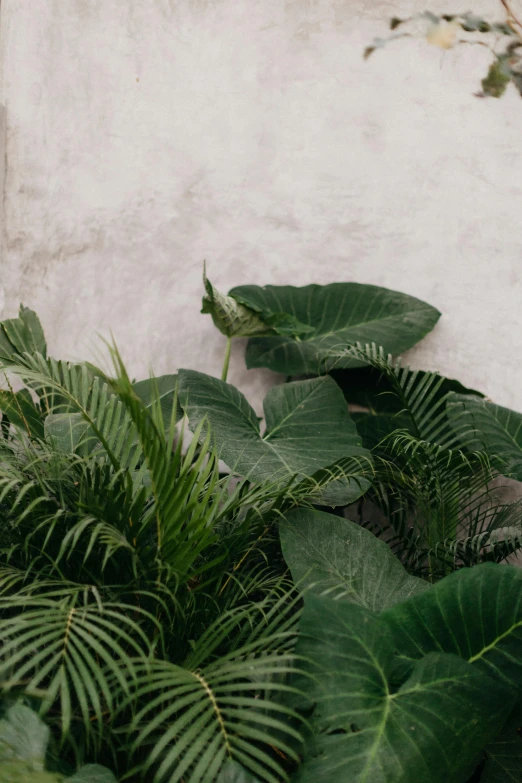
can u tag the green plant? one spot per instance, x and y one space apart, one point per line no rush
429 470
24 752
151 606
406 682
139 606
502 39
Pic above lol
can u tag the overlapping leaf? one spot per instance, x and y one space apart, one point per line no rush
165 389
333 556
504 755
308 426
23 746
431 729
398 397
339 314
475 613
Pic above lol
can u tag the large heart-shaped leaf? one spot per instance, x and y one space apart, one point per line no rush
340 315
23 737
308 426
475 613
331 556
431 729
484 426
23 747
504 755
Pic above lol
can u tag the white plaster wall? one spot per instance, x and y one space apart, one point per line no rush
144 136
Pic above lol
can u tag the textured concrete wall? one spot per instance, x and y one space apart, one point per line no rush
144 137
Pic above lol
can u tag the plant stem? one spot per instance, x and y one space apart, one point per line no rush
513 21
227 359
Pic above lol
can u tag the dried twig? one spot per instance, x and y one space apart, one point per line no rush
512 20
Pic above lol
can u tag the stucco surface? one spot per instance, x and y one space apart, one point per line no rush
144 137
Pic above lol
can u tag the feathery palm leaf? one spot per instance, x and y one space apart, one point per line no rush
220 705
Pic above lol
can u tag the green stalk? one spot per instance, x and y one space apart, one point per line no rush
227 359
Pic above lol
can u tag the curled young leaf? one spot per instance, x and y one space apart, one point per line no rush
230 317
235 318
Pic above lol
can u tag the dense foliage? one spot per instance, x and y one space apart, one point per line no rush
163 620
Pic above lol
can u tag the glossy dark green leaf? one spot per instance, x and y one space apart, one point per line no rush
373 428
504 764
332 556
475 613
398 398
431 729
370 388
308 426
340 314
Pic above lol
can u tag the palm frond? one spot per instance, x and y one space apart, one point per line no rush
421 395
66 389
215 707
439 503
61 649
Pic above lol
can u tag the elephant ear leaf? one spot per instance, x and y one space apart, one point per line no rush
308 428
335 317
69 431
365 729
23 746
475 613
23 738
504 755
329 555
162 390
